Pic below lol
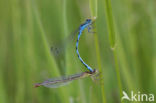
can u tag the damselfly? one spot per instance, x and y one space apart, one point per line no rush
57 82
86 25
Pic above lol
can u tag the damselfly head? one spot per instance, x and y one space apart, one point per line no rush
95 71
88 21
96 76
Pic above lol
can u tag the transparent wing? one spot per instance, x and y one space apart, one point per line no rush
57 82
58 48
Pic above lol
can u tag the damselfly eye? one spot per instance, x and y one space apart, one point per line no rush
88 20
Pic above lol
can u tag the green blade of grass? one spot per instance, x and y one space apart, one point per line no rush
112 35
93 9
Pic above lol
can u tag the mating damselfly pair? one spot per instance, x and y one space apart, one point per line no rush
57 82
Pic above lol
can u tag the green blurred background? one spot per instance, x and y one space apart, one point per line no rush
28 28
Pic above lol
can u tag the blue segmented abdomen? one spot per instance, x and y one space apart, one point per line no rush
77 43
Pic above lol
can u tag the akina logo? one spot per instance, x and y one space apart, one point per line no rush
140 97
